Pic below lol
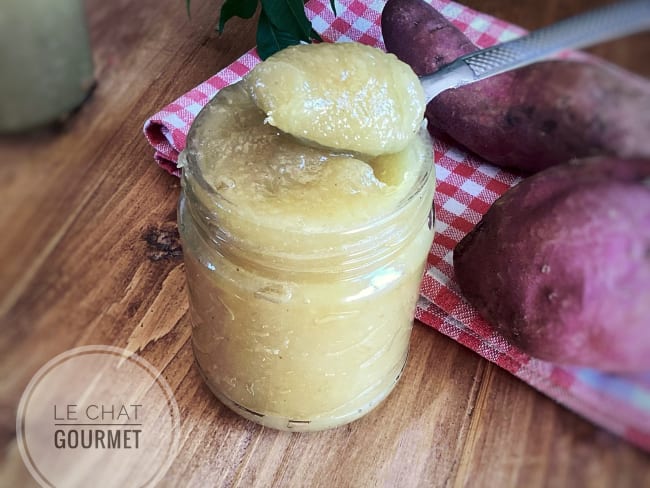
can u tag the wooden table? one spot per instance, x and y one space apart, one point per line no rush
89 255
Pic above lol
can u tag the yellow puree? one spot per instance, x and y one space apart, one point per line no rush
304 314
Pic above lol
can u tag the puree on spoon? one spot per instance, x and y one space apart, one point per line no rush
304 259
344 96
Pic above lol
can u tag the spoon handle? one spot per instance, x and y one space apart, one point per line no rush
586 29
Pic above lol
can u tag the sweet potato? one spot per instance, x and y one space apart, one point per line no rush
529 119
560 264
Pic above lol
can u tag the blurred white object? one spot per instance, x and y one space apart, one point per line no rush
46 67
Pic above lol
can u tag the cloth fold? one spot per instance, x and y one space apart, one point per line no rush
467 186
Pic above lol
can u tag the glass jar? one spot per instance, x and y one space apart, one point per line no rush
295 328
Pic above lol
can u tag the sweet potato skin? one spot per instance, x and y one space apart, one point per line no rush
530 119
420 36
560 265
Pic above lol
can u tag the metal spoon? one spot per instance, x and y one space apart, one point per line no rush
586 29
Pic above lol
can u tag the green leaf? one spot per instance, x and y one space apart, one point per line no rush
288 16
282 23
270 39
236 8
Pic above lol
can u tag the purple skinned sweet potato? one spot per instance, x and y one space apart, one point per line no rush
560 264
535 117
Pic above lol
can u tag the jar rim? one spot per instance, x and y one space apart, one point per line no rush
192 174
417 187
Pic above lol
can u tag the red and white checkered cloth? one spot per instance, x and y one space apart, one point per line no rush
466 188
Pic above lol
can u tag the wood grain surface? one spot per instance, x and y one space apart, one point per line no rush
89 254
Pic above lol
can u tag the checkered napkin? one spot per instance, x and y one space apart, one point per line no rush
466 188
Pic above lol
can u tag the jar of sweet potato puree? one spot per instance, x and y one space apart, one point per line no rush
303 265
